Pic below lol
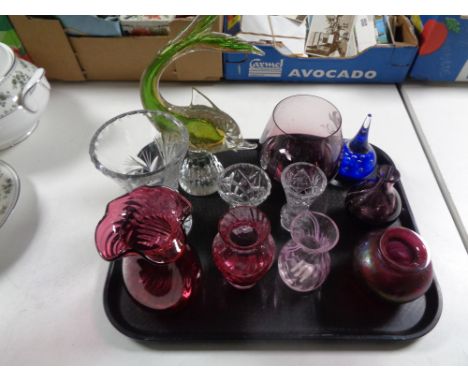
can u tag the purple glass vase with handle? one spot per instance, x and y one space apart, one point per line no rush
376 201
304 261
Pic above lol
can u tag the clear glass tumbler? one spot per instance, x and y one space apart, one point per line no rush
302 183
140 148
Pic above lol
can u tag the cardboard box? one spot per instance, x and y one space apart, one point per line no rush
443 53
109 58
388 63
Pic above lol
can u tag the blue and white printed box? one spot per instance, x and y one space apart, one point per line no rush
382 63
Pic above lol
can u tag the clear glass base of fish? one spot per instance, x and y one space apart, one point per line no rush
199 173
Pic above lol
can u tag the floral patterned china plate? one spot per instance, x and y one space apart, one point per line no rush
9 191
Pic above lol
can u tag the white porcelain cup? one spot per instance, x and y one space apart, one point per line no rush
24 94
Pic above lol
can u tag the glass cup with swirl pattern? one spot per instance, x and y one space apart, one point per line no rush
304 261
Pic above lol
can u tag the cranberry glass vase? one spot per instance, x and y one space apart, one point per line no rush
376 201
302 128
145 227
243 250
395 264
304 261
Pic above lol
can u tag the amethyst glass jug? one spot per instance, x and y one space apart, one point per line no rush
395 264
376 201
145 228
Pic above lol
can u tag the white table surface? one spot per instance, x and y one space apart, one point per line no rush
51 278
440 113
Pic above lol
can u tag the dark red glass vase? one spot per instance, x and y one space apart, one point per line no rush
244 249
395 264
145 227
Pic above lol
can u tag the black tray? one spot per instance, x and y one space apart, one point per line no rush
342 309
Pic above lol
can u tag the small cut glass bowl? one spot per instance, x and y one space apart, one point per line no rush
244 184
140 147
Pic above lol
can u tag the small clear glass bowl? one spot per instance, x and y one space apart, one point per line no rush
140 147
244 184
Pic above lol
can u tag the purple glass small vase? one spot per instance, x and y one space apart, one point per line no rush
243 250
145 228
376 201
395 264
304 261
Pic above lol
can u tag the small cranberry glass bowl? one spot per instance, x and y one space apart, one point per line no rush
395 264
243 250
244 184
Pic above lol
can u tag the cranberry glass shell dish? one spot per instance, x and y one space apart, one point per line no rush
146 221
